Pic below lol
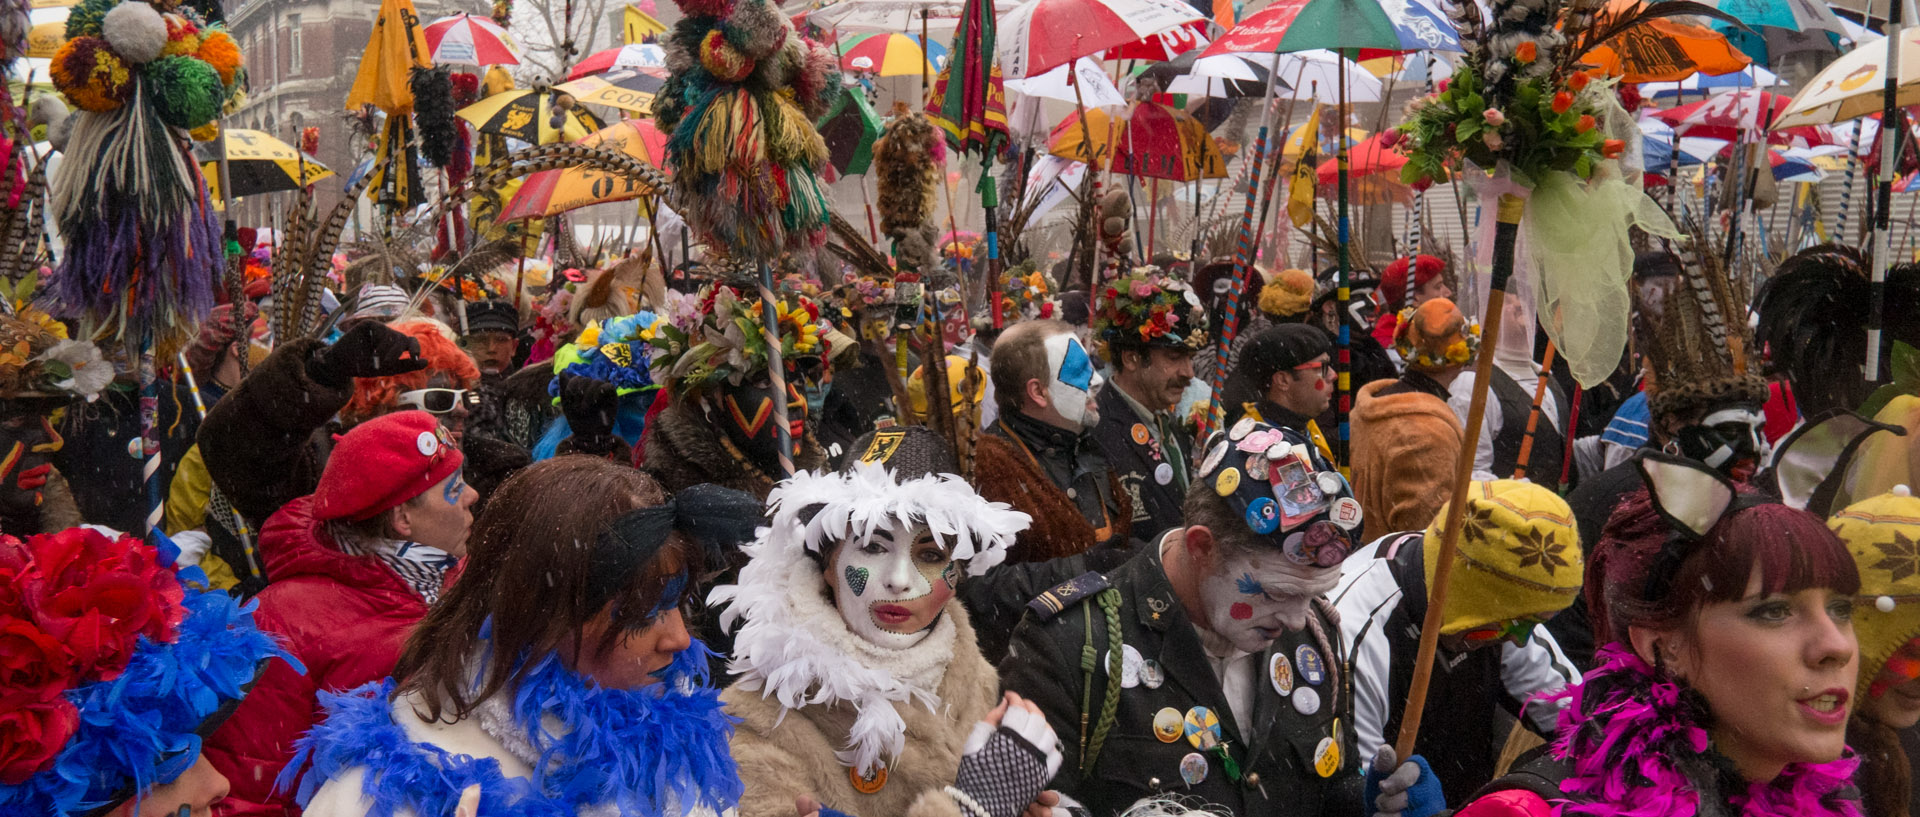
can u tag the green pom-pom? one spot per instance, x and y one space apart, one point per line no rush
84 19
186 92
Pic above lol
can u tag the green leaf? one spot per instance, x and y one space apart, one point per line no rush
1904 367
1468 129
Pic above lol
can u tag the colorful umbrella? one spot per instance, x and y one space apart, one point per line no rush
1096 88
1792 15
1664 50
637 55
464 39
895 15
529 116
1851 86
890 55
969 99
1753 77
1041 34
1298 25
1370 157
850 130
629 89
1092 144
557 191
1163 46
258 163
1161 142
397 46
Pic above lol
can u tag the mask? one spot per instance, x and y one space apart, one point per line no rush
746 418
28 442
1071 380
1727 440
1255 597
891 587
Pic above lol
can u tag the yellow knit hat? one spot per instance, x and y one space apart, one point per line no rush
1883 534
1519 556
1287 293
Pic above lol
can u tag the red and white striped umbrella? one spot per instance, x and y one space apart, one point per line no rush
645 56
1039 35
464 39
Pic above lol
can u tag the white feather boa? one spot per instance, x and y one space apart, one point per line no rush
795 647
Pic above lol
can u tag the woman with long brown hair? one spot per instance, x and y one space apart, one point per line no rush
557 676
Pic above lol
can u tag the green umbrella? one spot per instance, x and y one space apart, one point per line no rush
850 130
1341 24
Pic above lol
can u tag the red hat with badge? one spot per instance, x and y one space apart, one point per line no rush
382 463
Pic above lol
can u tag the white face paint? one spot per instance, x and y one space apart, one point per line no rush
891 587
1071 380
1252 598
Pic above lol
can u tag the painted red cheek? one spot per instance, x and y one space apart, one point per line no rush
1241 611
1320 385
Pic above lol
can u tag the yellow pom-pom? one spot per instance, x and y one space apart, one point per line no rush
205 133
721 59
91 74
220 51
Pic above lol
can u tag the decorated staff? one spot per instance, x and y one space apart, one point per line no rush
740 105
1518 108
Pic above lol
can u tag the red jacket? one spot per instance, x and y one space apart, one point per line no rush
344 617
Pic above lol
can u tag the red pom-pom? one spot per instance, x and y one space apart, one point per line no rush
466 89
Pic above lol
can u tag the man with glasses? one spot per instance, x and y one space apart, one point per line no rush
1519 563
1289 369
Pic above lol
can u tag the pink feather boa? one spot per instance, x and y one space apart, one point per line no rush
1631 736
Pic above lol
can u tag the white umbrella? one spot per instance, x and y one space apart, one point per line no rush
1096 88
899 16
1315 74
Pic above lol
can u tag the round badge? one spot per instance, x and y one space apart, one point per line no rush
1193 768
1152 674
1330 482
1214 457
1167 725
868 784
1326 757
1257 467
1306 701
136 448
1295 549
1312 669
1279 451
1241 429
1202 728
1129 665
1163 473
1263 515
1139 432
1227 482
1346 513
427 443
1280 670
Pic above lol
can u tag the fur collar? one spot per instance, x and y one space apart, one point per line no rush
795 647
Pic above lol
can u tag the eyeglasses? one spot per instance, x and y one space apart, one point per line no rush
440 401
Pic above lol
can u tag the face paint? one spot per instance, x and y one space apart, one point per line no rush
1731 440
746 418
891 587
1246 604
29 440
455 487
1071 380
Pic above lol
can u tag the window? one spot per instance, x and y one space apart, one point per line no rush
294 51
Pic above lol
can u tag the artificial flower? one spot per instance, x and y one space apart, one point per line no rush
1494 117
1526 52
1562 102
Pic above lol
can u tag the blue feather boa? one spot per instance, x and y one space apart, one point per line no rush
657 751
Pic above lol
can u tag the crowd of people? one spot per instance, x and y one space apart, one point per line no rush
636 559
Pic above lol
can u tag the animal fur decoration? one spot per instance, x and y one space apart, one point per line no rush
433 114
1116 222
739 107
907 163
1699 355
143 244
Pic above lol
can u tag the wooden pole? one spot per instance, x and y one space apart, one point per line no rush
1533 417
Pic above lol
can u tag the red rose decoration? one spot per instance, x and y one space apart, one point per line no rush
34 667
31 737
97 595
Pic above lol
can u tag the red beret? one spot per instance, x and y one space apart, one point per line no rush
382 463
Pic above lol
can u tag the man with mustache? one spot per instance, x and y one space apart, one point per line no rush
1149 328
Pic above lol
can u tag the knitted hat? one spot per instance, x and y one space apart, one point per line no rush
1434 335
1883 534
216 334
1288 495
1148 308
382 463
1519 555
1288 293
381 301
1393 279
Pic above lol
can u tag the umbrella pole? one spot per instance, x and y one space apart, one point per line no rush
1243 250
1343 383
1890 128
776 368
1533 416
1153 212
866 198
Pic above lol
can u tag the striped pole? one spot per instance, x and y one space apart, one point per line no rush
1343 294
776 368
193 386
1890 127
1242 258
150 442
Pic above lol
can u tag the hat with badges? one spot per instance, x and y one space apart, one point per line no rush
1284 491
1519 555
383 462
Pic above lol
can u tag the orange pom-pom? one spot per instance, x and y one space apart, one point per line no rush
88 71
183 37
220 51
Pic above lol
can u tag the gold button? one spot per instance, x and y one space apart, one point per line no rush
1253 778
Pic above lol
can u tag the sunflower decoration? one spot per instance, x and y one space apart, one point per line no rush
617 351
720 339
1146 308
37 359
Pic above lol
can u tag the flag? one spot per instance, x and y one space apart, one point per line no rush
639 26
398 45
1300 186
969 101
1223 13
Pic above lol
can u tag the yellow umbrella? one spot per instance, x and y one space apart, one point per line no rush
398 45
258 163
44 39
1296 142
626 88
528 115
557 191
1070 141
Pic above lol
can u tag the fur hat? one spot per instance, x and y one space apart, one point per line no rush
1883 534
1435 335
1698 355
1393 280
1520 552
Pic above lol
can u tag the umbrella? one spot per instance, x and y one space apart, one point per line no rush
529 116
1725 115
1314 74
557 191
1040 34
1296 141
1665 50
1096 147
44 39
1163 46
894 15
629 89
258 163
889 55
1368 158
1161 142
637 55
396 47
464 39
1792 15
1221 76
1851 86
1753 77
850 130
1096 88
1298 25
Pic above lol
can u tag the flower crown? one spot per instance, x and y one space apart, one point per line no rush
112 668
719 338
1024 292
1458 353
618 352
1147 307
37 358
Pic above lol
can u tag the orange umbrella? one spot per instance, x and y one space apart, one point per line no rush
398 45
1095 141
1664 50
1368 158
557 191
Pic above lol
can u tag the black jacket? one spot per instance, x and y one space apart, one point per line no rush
1135 456
1275 759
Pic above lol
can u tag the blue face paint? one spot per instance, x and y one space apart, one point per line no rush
1248 585
670 595
456 488
1076 368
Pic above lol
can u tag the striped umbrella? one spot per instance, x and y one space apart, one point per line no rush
464 39
1041 34
890 55
637 55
